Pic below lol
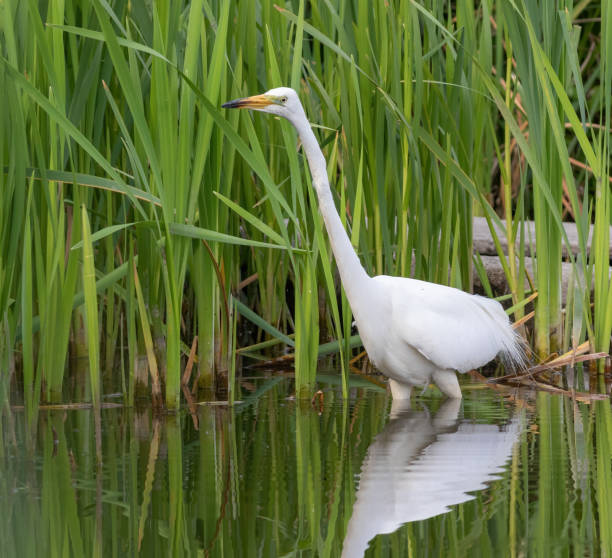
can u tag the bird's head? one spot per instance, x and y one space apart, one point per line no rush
281 101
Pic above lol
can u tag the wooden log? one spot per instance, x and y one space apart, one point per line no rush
484 245
483 241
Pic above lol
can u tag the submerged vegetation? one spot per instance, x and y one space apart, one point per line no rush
143 227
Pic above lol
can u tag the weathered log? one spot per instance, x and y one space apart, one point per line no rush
484 245
483 241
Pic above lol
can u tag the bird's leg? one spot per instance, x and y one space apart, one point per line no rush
399 391
447 381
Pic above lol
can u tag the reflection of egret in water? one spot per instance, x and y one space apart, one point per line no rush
419 465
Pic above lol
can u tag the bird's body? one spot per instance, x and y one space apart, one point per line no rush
422 332
414 332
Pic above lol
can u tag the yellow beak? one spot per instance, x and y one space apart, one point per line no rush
255 102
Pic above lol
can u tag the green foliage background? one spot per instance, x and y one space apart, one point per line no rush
428 113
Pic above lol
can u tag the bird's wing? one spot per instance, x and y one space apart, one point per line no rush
451 328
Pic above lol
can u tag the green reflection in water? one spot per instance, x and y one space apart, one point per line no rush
274 477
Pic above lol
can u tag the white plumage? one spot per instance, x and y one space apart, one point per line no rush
414 332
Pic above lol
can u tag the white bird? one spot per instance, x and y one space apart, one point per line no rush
414 332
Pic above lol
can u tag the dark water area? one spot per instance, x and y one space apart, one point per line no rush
500 473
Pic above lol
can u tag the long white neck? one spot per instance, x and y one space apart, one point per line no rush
354 278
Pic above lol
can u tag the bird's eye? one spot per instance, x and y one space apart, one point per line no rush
283 100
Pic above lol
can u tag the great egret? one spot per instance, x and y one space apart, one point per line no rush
414 332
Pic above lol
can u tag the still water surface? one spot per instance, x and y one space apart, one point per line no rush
497 474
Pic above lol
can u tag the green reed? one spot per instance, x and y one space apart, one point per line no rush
428 114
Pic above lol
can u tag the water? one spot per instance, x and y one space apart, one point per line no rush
498 474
